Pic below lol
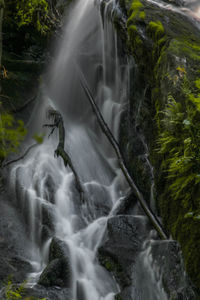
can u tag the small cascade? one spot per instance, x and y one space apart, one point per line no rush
148 274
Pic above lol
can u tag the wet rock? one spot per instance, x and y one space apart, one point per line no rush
176 2
121 244
15 267
45 233
99 199
58 271
54 293
128 206
14 245
48 217
58 249
126 294
167 255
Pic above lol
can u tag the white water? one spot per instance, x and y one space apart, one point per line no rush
41 182
95 50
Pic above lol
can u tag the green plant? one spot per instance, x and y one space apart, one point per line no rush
35 12
12 132
156 29
136 12
13 292
16 292
179 143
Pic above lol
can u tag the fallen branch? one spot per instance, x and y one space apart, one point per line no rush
60 151
104 127
20 157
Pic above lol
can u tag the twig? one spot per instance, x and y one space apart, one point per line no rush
20 157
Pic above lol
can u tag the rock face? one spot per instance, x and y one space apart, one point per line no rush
164 114
167 255
14 259
141 269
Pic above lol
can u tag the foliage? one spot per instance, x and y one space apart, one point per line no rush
16 292
136 12
38 138
156 29
167 55
35 12
179 141
13 292
12 132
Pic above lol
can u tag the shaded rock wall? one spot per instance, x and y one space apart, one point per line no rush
165 45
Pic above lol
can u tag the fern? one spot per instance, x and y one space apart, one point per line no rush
179 143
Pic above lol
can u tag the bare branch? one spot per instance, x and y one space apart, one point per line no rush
104 127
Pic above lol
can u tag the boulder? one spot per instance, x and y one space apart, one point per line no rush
58 271
58 249
121 245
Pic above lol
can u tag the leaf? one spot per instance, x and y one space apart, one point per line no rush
38 138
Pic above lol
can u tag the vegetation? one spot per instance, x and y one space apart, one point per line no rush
136 12
157 29
16 292
33 12
13 293
168 55
17 18
11 134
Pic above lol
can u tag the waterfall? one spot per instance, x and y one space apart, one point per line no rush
44 188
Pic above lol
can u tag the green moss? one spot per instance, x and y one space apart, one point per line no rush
132 29
135 12
197 83
135 6
184 47
142 15
156 30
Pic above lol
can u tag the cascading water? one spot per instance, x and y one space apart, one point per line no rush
43 184
45 189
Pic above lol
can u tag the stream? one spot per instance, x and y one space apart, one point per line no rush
44 188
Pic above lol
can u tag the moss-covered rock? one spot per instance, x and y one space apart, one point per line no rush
58 271
166 47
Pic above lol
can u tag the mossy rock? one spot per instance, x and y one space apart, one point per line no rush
56 273
166 49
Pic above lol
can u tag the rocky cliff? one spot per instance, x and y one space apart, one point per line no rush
162 128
